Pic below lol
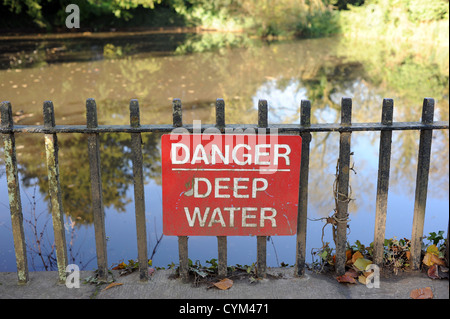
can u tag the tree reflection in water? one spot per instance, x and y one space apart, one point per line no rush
321 70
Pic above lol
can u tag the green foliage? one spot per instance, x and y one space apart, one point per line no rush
33 9
420 11
435 239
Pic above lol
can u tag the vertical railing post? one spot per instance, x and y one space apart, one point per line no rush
54 190
384 163
182 240
305 121
261 241
139 197
15 204
221 240
96 190
341 196
447 246
423 167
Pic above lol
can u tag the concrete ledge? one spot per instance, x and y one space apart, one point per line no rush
44 285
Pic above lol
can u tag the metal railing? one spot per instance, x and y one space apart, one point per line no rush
304 129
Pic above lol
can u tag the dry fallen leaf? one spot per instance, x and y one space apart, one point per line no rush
122 265
433 272
348 254
421 293
356 256
113 284
362 279
346 278
433 250
430 259
352 272
224 284
362 263
438 261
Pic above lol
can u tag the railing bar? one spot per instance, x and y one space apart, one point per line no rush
384 163
183 256
262 114
221 240
222 254
305 120
447 248
177 116
96 190
220 114
423 168
15 204
282 128
139 196
54 189
343 187
261 242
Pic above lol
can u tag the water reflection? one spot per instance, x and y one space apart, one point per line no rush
321 70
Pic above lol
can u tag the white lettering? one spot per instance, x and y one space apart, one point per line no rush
236 187
231 209
208 185
174 152
255 188
215 151
258 153
203 156
285 155
213 218
196 215
246 216
248 156
271 217
217 187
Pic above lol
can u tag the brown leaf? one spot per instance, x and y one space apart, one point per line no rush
408 255
224 284
431 259
348 254
352 272
362 279
421 293
436 260
356 256
346 278
113 284
433 272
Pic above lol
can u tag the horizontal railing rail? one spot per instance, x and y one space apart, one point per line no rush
281 128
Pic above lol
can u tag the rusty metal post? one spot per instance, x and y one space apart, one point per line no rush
261 241
221 240
447 246
384 163
305 121
423 168
15 204
177 117
139 197
96 190
343 186
54 190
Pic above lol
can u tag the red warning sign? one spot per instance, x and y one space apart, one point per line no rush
230 184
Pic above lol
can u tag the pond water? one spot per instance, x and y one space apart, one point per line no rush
198 69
